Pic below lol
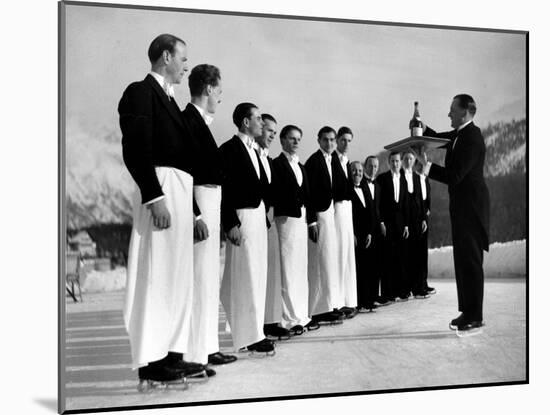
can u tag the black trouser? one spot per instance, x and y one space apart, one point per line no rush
413 259
468 263
394 278
423 259
368 274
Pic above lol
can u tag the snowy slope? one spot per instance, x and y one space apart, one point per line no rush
99 188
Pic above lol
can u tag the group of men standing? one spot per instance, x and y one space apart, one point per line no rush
306 244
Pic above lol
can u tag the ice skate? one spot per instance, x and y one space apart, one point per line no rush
472 328
349 312
297 330
312 325
160 378
274 331
194 372
329 318
262 348
456 322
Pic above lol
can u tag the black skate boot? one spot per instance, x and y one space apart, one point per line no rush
312 325
349 312
328 318
273 330
265 347
156 376
297 330
192 371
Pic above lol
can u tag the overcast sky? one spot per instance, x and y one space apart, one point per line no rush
307 73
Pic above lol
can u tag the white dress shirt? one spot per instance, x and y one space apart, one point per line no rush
409 178
166 86
205 116
249 145
423 186
395 178
293 159
370 184
343 162
360 194
328 161
264 152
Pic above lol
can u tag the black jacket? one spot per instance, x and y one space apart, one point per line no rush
320 185
463 173
395 215
153 135
241 187
288 197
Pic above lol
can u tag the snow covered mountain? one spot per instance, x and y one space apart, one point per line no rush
99 188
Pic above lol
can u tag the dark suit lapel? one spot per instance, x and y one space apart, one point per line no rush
197 118
289 170
324 166
171 107
242 148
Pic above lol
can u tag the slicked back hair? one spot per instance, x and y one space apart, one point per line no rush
242 111
393 153
344 130
326 129
201 76
466 102
269 117
288 128
161 43
371 157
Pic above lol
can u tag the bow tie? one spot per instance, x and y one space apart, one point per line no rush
357 186
207 119
264 152
370 181
343 158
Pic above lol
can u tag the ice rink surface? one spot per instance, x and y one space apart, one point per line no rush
404 345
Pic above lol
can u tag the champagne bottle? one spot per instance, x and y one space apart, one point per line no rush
416 124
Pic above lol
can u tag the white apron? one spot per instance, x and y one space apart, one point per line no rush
273 299
244 279
347 281
159 286
293 253
206 296
322 266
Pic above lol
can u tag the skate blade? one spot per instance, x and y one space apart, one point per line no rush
278 338
148 386
469 333
261 355
200 377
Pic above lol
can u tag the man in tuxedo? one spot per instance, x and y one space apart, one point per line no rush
417 228
365 223
324 290
289 200
375 251
243 212
273 299
394 223
468 207
205 87
342 187
158 152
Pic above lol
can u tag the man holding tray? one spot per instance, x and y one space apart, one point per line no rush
468 206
